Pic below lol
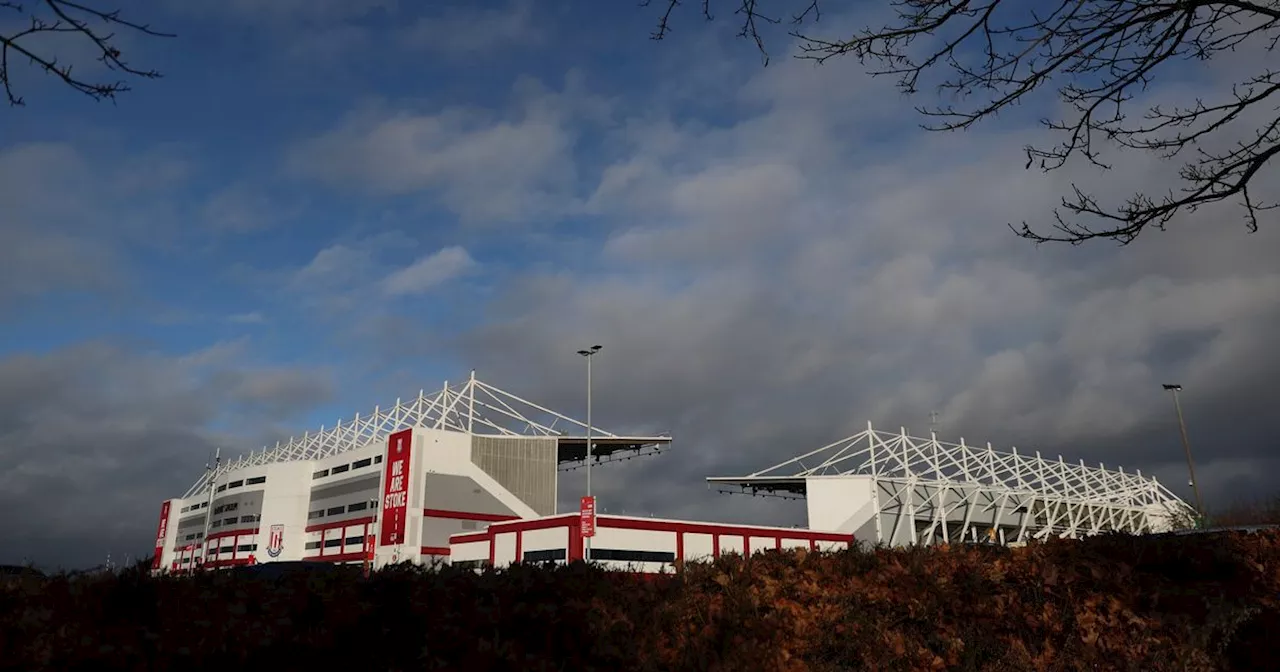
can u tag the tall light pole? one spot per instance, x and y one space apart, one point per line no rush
1186 445
588 353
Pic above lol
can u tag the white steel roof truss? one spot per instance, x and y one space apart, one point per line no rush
475 407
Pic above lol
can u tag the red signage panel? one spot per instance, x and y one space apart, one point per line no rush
161 532
395 488
587 516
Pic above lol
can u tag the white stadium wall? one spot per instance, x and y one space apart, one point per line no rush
329 509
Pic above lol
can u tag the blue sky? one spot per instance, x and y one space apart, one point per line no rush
322 206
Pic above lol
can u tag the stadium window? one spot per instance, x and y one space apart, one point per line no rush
470 564
256 480
216 523
339 469
331 543
246 548
373 503
204 505
249 518
336 510
221 488
235 484
358 506
360 464
233 506
320 474
632 556
226 549
219 509
312 545
377 459
315 514
355 541
228 521
550 555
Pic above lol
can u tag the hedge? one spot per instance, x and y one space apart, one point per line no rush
1194 602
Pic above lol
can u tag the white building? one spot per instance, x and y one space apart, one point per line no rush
469 475
891 488
401 480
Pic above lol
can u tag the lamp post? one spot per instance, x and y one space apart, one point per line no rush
1186 446
588 353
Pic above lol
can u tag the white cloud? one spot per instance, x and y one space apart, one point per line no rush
429 272
512 168
472 31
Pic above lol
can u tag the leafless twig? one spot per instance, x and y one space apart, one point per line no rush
1098 55
53 17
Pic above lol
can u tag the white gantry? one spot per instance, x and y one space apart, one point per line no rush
900 490
473 407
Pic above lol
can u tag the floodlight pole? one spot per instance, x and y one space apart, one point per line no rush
588 353
208 514
1186 446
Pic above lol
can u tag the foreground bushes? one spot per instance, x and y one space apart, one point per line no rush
1199 602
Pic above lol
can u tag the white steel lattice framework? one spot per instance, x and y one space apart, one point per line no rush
906 490
473 407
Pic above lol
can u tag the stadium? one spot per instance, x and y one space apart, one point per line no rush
468 475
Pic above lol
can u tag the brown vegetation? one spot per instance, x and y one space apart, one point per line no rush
1195 602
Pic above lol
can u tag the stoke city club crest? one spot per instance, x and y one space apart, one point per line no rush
275 543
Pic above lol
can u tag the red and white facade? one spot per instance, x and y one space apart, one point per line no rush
393 486
627 542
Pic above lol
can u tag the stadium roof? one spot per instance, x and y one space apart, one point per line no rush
899 457
475 407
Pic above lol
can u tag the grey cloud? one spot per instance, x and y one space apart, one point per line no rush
763 298
472 32
93 437
485 169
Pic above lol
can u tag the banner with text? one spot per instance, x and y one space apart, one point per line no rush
587 516
395 488
162 531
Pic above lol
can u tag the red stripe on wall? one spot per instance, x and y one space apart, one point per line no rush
716 528
469 538
568 520
337 557
519 545
320 527
435 550
231 533
216 564
468 515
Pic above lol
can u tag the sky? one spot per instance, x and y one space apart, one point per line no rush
323 206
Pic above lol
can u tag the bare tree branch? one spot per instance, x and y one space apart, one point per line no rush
1098 56
54 17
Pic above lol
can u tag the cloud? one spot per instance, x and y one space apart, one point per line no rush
769 285
471 32
485 168
429 272
47 243
94 436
